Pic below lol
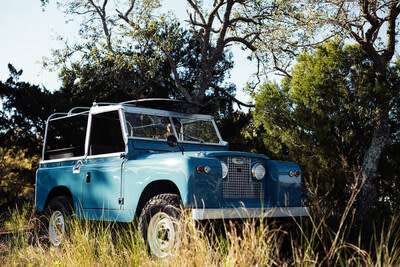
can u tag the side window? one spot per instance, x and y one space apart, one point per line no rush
66 137
106 134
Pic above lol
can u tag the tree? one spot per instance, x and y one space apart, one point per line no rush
25 108
325 112
25 111
130 63
103 66
217 26
364 21
17 172
373 24
239 130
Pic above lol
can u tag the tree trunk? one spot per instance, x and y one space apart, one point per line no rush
381 138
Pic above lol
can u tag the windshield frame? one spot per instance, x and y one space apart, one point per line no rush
170 115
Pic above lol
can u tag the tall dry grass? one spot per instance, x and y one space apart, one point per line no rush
305 242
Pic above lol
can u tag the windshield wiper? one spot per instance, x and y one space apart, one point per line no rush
194 138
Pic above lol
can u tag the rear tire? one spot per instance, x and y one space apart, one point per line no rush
58 213
159 224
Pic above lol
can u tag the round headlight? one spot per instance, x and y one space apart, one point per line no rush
224 169
258 171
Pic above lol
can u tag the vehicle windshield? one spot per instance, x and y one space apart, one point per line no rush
195 130
160 127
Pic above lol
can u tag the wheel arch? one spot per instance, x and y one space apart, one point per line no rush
155 188
58 191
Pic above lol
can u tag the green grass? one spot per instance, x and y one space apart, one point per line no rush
240 243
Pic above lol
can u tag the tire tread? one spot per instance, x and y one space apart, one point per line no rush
156 203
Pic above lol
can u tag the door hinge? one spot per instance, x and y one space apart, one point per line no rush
121 201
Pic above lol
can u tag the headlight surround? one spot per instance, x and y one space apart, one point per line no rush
258 171
224 170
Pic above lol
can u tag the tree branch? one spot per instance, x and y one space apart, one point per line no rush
230 97
391 32
103 17
125 18
276 66
246 20
129 10
241 40
214 12
177 80
197 11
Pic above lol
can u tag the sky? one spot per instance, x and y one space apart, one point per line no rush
28 34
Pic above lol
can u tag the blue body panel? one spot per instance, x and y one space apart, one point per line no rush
283 190
96 200
50 176
100 195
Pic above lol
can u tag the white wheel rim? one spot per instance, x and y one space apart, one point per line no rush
161 234
56 228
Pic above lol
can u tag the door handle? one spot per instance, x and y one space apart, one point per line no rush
88 176
77 167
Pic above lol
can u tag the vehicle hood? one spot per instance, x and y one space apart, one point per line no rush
219 154
203 154
234 154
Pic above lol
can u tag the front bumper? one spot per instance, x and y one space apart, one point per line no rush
239 213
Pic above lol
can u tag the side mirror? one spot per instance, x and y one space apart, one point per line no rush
285 150
172 141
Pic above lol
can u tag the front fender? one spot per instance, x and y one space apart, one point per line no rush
139 173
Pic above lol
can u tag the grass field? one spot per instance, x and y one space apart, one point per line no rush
235 243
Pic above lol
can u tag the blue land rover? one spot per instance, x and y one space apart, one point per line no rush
118 162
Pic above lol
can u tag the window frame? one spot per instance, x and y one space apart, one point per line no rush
122 109
60 116
170 115
160 138
99 110
93 111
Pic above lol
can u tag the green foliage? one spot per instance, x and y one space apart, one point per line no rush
25 110
17 177
325 114
239 130
115 61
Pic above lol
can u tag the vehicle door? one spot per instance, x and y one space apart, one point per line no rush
102 169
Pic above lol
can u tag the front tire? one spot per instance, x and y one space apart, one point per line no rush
58 212
159 224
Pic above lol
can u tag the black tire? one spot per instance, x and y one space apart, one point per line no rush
57 216
159 223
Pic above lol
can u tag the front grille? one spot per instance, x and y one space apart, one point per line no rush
239 183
